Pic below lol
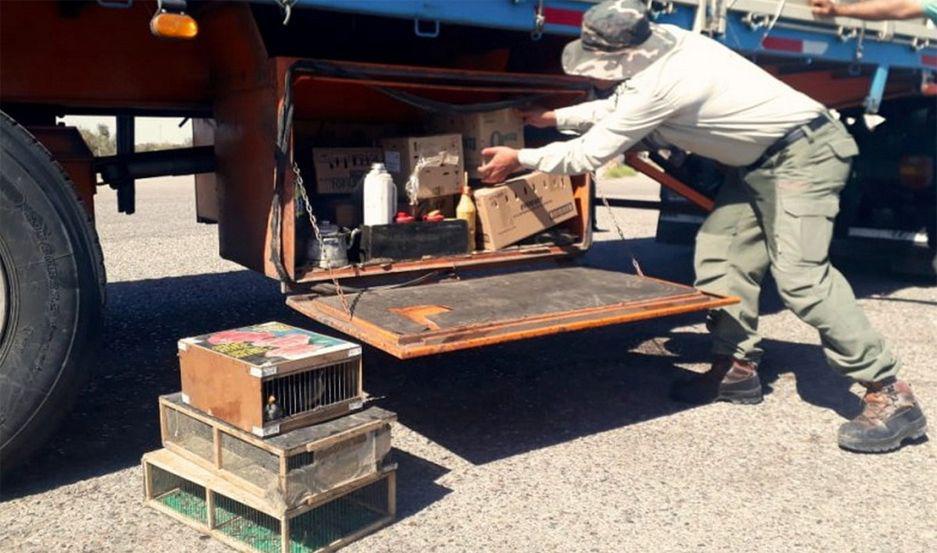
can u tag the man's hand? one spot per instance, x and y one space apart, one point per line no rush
539 117
503 162
872 10
826 8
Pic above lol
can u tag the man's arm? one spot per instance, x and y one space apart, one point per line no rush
581 117
639 112
870 9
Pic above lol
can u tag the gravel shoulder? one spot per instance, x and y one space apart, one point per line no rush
560 444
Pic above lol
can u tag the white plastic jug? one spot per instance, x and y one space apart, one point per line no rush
380 196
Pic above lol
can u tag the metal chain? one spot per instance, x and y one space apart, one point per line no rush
621 234
634 262
287 7
315 229
539 21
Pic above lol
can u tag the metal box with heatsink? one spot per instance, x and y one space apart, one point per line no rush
270 378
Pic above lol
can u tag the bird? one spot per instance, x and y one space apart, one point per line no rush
272 411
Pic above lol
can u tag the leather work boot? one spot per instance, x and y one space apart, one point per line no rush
728 379
891 415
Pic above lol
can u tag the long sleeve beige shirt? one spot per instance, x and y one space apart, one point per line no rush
700 96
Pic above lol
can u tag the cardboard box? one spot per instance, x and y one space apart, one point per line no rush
522 207
503 127
339 170
440 177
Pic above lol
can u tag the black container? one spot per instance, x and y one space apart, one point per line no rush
413 240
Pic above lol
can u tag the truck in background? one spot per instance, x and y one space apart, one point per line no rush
266 81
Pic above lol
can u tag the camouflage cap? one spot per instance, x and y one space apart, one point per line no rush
617 41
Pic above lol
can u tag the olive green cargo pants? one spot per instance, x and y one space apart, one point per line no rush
780 215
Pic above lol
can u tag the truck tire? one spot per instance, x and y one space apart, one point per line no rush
51 293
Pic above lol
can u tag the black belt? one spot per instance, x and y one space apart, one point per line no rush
792 136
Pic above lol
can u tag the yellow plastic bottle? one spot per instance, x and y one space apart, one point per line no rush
467 212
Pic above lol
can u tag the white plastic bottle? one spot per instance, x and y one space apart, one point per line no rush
380 196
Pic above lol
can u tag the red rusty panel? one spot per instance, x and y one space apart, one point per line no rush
244 146
69 149
206 184
99 57
358 101
344 101
245 110
835 90
558 16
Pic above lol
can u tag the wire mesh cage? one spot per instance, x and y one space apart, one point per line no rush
290 468
343 516
257 530
301 392
322 469
254 464
188 433
248 523
178 494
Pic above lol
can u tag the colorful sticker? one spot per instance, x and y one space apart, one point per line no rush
271 343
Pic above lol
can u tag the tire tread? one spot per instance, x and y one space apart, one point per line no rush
70 380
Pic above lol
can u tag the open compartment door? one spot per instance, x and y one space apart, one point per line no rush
462 314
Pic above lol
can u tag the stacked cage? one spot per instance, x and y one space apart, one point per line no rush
267 447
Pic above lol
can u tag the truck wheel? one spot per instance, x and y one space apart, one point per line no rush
51 293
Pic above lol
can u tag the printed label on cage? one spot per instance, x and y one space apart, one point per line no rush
184 343
354 351
266 345
268 430
261 372
392 161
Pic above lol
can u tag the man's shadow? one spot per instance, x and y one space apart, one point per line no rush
817 383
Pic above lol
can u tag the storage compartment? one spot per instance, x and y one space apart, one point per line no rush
339 105
288 469
214 506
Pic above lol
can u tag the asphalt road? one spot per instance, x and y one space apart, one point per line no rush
560 444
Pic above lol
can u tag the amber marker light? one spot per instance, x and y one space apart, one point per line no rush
173 25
